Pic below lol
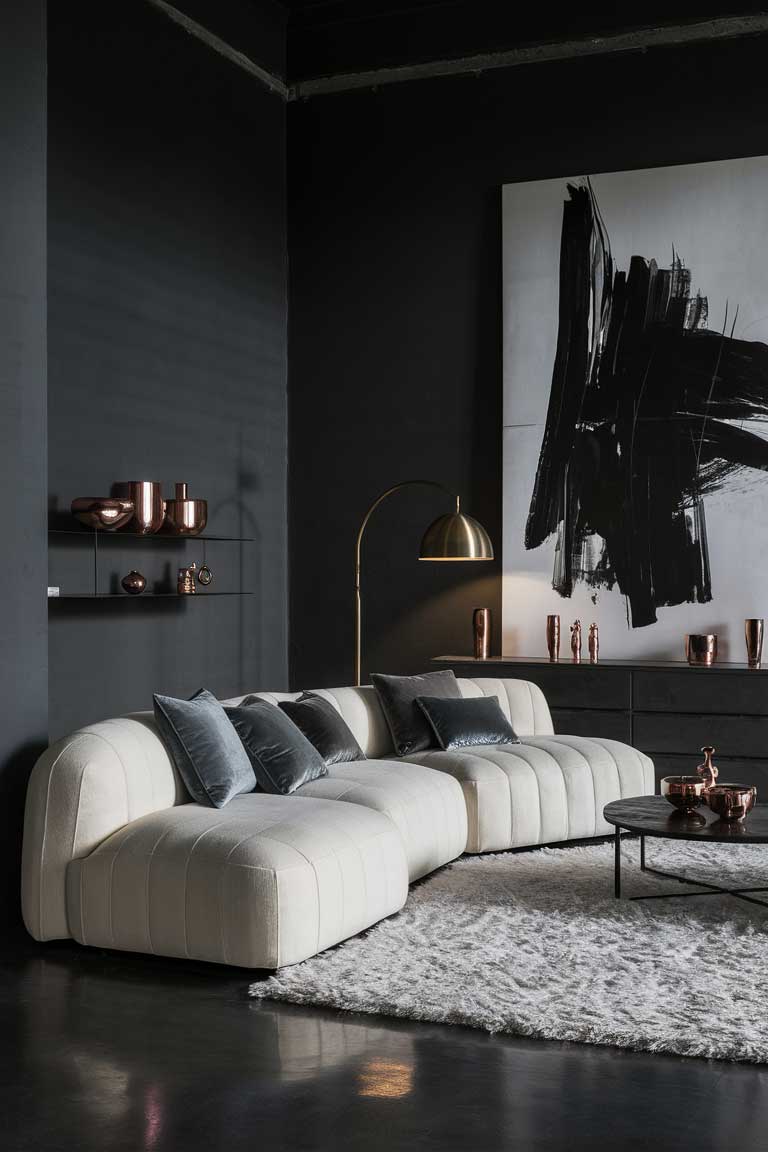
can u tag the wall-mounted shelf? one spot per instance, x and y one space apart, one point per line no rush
148 537
141 595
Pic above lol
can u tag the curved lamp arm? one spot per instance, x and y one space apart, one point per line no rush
379 500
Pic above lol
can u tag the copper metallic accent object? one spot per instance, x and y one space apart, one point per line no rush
576 642
185 517
732 802
707 771
134 582
701 651
185 585
102 512
593 643
481 630
147 500
686 793
553 638
753 634
204 575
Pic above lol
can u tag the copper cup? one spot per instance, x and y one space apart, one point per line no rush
185 517
753 634
147 500
481 630
701 651
732 801
686 793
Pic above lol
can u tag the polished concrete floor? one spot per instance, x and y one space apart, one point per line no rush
109 1051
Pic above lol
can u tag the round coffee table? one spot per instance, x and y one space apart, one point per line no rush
654 816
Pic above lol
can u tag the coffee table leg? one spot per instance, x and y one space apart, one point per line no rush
617 864
642 853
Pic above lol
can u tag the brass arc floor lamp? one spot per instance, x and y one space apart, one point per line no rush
453 536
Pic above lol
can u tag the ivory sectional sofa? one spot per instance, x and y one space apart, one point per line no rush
116 854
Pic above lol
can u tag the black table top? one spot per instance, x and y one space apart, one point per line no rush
654 816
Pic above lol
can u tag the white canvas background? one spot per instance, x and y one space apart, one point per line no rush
716 217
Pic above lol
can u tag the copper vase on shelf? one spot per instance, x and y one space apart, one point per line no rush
148 510
481 631
134 583
701 651
553 638
185 517
753 634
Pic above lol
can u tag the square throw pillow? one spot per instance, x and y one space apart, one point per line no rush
467 723
281 756
205 748
324 727
410 730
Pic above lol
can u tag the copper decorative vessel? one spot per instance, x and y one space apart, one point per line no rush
686 793
481 631
753 634
707 770
701 650
185 517
576 642
732 802
134 582
553 638
593 644
102 512
147 500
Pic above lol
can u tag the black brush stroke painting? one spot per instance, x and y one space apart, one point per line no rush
646 417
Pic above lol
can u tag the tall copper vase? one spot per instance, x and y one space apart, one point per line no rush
753 634
148 507
481 630
553 638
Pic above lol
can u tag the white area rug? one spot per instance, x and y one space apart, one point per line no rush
535 944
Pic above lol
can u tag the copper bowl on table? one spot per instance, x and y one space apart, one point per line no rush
686 793
732 802
102 512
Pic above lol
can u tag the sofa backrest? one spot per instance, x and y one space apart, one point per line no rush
100 778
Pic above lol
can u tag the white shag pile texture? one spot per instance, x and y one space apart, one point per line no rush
535 944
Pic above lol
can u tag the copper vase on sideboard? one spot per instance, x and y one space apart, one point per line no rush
553 638
481 631
753 634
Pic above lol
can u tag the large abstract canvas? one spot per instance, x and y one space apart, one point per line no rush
636 406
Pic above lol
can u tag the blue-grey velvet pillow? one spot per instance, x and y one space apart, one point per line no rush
281 756
324 727
467 723
205 748
407 723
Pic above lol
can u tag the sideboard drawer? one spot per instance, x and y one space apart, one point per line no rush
576 685
674 732
613 725
701 690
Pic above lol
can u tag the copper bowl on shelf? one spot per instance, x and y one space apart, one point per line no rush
102 512
732 802
185 517
686 793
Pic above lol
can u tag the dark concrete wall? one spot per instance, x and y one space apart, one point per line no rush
395 239
23 658
167 351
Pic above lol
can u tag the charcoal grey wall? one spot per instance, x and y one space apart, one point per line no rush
395 239
167 351
23 685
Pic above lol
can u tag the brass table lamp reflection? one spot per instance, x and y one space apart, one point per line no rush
453 536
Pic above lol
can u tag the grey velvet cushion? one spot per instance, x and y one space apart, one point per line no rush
324 727
467 723
409 728
205 748
281 756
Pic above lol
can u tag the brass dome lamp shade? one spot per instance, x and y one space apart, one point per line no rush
453 536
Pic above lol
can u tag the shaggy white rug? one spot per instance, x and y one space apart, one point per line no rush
535 944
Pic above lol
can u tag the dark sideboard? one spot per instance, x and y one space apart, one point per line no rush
666 709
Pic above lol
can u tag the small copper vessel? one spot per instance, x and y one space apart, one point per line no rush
185 585
134 582
481 631
102 512
593 643
686 793
753 634
701 650
576 642
732 802
553 638
707 771
185 517
147 500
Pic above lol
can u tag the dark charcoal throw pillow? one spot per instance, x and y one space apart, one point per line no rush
407 723
465 723
324 727
280 755
204 747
